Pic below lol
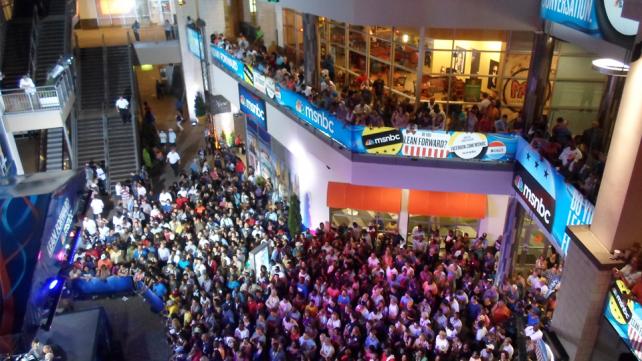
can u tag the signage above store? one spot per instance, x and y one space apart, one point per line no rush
535 196
253 107
600 18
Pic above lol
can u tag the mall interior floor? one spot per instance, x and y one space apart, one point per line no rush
117 35
164 109
135 328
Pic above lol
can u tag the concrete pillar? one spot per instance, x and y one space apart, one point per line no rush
311 49
616 222
403 213
537 81
278 10
580 300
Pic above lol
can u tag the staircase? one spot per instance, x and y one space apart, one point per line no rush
92 79
118 70
90 140
122 150
51 46
57 7
55 144
15 62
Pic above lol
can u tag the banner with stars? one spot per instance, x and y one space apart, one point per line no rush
571 207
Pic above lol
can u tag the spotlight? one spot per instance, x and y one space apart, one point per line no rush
608 66
53 283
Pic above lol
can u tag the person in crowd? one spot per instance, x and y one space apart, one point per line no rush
173 158
122 106
136 30
169 30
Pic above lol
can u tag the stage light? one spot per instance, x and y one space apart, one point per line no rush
53 283
610 66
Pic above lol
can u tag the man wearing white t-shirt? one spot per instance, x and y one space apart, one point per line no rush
534 333
97 206
174 160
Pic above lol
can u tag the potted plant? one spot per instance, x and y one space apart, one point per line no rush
294 216
199 107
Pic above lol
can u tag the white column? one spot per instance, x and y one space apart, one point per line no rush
11 140
278 12
403 214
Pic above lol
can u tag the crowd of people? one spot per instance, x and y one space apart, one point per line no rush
341 292
580 158
365 101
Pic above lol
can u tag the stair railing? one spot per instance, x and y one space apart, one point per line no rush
105 74
105 123
68 31
34 38
42 153
134 100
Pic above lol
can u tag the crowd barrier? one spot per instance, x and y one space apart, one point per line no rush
115 285
492 147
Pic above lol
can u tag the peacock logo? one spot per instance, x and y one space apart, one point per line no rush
299 106
519 183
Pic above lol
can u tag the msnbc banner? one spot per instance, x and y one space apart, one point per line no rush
570 206
253 107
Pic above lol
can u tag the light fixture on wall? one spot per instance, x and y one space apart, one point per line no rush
608 66
181 2
252 4
405 38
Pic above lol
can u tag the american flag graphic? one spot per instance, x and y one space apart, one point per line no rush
635 335
424 152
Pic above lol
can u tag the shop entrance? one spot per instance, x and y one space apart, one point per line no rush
530 244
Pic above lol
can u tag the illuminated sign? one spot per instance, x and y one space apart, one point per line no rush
600 18
195 42
252 106
538 200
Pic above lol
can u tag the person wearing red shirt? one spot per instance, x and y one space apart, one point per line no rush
500 313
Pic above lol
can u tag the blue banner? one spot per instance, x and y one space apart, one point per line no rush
414 143
317 118
229 62
625 315
253 107
571 208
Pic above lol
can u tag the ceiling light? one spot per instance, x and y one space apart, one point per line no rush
405 38
610 66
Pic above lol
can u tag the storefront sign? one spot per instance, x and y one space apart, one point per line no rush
219 105
600 18
253 107
425 144
382 140
625 315
537 199
570 206
467 145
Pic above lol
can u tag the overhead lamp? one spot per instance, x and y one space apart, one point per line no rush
405 38
608 66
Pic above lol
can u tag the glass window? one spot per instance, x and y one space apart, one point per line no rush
379 70
357 62
357 41
359 28
403 81
406 56
346 216
380 48
461 226
382 32
407 36
337 34
339 55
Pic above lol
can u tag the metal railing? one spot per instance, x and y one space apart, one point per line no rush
105 124
42 98
134 91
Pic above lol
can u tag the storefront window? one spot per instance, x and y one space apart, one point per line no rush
337 34
461 226
357 41
403 82
531 243
380 48
357 62
379 70
339 55
348 216
406 56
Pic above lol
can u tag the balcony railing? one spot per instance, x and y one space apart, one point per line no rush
48 97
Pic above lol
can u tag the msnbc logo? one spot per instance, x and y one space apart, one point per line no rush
298 106
314 116
519 184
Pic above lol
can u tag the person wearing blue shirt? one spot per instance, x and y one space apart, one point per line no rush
302 288
183 264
